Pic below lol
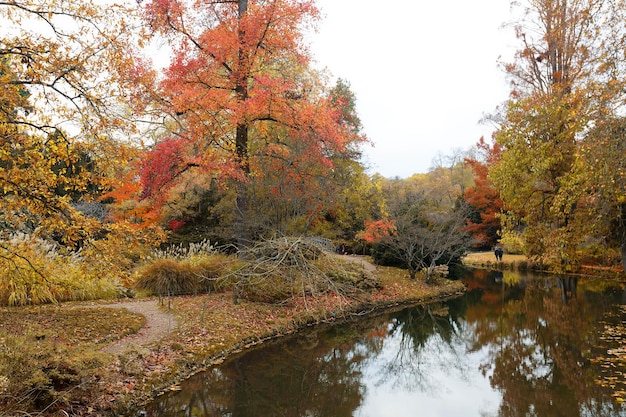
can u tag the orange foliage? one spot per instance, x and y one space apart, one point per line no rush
244 96
483 197
377 230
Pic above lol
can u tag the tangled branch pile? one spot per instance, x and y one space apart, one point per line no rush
279 269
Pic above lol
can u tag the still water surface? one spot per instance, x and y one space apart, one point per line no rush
514 345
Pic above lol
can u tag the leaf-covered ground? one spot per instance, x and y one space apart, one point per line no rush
75 326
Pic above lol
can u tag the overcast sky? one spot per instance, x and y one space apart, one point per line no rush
424 73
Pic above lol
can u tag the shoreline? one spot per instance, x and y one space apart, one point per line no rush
106 358
142 394
485 260
111 358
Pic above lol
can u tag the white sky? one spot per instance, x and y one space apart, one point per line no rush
424 73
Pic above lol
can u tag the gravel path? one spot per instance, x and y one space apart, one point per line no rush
158 324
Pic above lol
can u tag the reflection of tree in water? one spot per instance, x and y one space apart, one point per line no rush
539 352
568 287
279 380
427 339
539 334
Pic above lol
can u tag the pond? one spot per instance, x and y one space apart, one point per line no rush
514 345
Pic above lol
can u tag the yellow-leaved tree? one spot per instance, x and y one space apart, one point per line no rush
567 85
65 78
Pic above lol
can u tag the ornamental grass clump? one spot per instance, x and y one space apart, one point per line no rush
38 271
179 270
167 277
182 252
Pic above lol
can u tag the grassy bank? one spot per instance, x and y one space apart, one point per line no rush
76 377
488 260
522 263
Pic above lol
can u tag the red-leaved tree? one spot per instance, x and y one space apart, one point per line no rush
483 198
162 165
239 87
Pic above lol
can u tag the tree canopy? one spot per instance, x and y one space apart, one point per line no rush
567 81
242 93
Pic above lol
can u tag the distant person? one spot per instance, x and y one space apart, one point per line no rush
341 249
498 252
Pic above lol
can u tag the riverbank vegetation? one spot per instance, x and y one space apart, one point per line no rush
519 262
53 360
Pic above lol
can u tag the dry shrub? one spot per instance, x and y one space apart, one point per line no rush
284 251
199 272
214 271
349 276
521 266
528 265
165 277
269 289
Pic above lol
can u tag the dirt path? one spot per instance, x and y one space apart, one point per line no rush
158 324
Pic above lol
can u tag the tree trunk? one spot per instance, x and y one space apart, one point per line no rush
622 226
242 229
623 249
241 141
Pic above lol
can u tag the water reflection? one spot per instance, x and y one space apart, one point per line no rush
512 346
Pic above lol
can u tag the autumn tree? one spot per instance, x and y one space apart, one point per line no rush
420 231
451 167
603 178
240 88
61 103
331 197
566 77
483 198
66 72
360 201
291 192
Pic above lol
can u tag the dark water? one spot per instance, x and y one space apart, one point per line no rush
512 346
